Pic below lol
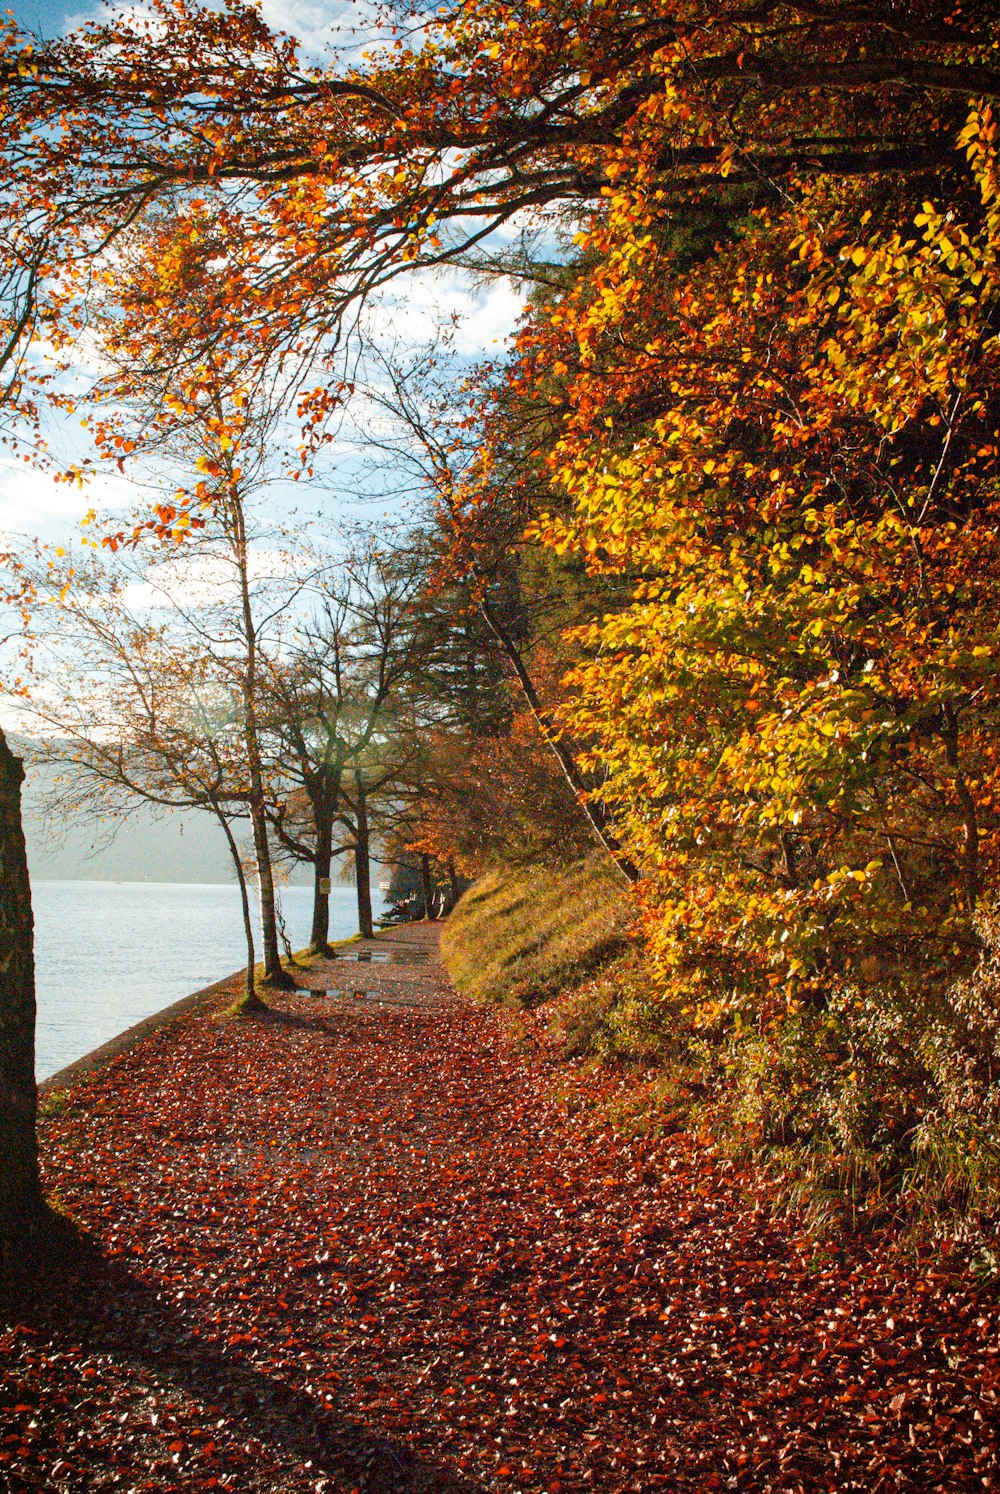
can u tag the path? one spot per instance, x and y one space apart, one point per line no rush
362 1246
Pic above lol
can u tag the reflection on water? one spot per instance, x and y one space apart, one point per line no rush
337 993
108 954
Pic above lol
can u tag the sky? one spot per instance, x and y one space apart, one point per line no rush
46 16
34 506
31 503
310 20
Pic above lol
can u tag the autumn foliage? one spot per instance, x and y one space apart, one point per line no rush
759 406
368 1246
782 430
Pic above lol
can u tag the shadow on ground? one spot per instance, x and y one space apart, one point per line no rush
80 1296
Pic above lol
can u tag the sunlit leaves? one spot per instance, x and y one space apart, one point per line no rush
794 716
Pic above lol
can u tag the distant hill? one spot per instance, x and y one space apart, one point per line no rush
147 846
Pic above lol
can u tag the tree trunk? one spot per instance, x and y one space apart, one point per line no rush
274 971
249 1001
425 883
319 939
22 1207
453 893
593 813
362 863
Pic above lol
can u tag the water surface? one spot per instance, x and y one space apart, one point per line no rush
108 954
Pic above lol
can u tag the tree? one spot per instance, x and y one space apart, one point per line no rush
422 153
215 426
22 1207
30 257
25 1221
133 710
337 701
774 503
481 495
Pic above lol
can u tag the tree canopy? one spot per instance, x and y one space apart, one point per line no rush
751 421
326 181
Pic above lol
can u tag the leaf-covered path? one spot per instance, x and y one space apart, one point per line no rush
362 1245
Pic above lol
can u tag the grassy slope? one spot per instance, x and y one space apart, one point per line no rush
521 936
528 937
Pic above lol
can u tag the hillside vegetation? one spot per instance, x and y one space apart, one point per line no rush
859 1115
525 935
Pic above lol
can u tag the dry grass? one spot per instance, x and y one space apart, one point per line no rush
521 936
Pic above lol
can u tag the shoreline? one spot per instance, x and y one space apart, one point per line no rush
97 1058
166 943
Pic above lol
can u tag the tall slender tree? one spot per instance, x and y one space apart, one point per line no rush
339 710
212 427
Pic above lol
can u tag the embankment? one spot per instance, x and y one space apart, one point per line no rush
519 937
854 1122
563 945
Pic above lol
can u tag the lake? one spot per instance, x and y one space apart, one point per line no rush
108 954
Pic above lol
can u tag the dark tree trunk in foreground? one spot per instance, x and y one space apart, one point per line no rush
362 863
425 883
22 1208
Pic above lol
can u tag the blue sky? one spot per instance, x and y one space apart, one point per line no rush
41 15
31 503
47 16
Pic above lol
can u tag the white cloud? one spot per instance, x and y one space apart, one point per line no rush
320 24
482 313
492 319
32 502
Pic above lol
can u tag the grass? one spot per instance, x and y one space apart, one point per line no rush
519 937
54 1104
303 958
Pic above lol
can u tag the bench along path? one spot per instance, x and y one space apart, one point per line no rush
363 1244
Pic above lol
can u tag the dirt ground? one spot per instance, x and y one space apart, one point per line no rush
367 1244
